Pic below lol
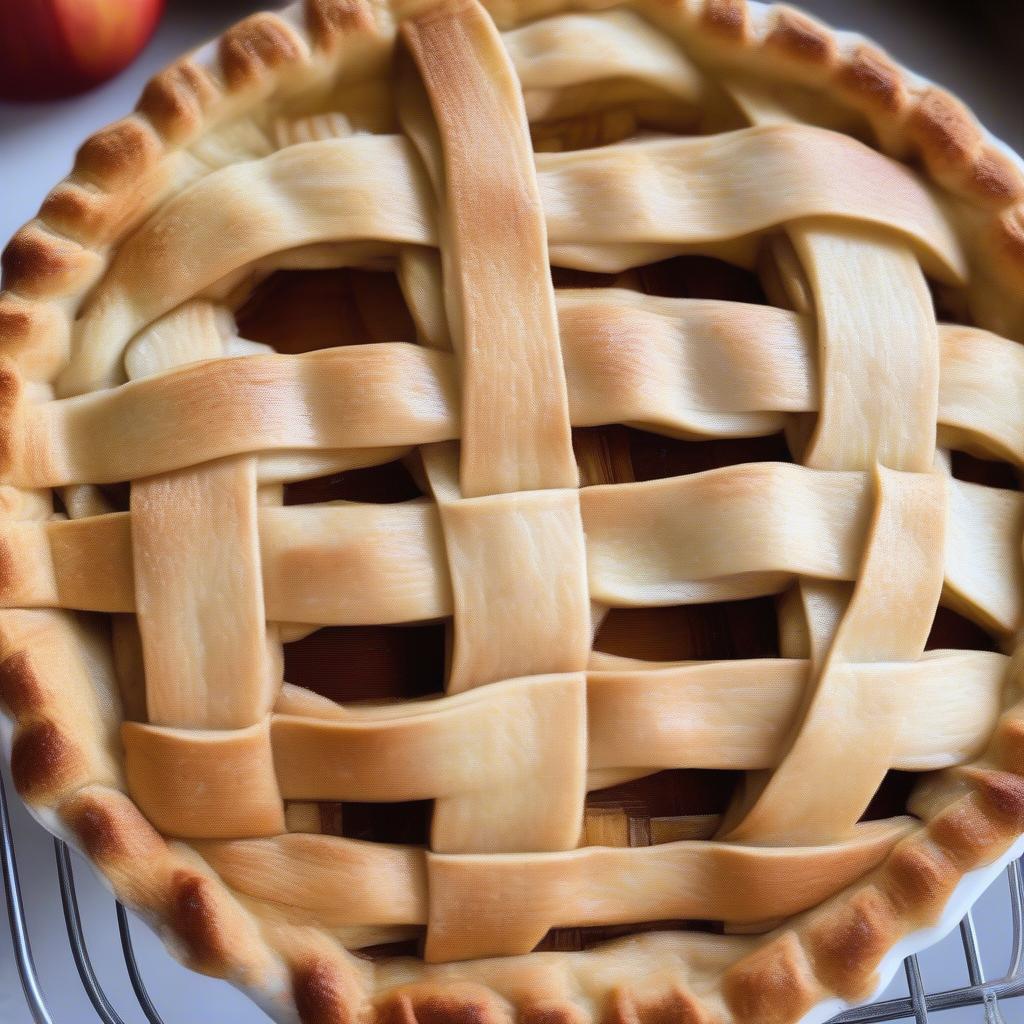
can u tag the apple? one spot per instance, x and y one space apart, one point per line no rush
53 48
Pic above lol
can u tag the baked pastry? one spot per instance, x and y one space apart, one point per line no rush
665 360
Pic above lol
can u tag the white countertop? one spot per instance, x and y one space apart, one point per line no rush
37 144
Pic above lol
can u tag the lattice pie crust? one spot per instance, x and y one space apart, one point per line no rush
468 150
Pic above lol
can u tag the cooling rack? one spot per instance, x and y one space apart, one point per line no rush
918 1006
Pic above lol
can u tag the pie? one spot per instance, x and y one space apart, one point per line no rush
511 511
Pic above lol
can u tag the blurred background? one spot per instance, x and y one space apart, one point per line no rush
973 47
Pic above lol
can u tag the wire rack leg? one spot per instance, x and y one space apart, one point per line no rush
1013 875
133 968
73 919
975 969
969 938
16 916
916 986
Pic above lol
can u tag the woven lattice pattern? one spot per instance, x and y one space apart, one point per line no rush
472 165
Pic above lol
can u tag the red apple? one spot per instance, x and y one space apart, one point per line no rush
51 48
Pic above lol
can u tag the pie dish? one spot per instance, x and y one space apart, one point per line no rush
510 510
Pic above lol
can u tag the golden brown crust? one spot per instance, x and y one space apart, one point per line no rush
836 949
458 1003
72 208
870 80
396 1010
117 154
944 130
10 579
20 689
920 878
1001 796
676 1006
116 174
847 946
320 995
954 149
546 1012
330 20
35 335
726 18
10 399
773 985
110 828
197 918
16 321
38 263
45 762
797 36
963 835
1009 240
117 837
176 100
994 178
255 47
1008 745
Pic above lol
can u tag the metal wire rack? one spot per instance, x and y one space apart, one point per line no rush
917 1006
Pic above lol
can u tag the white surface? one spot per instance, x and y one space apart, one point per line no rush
36 147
